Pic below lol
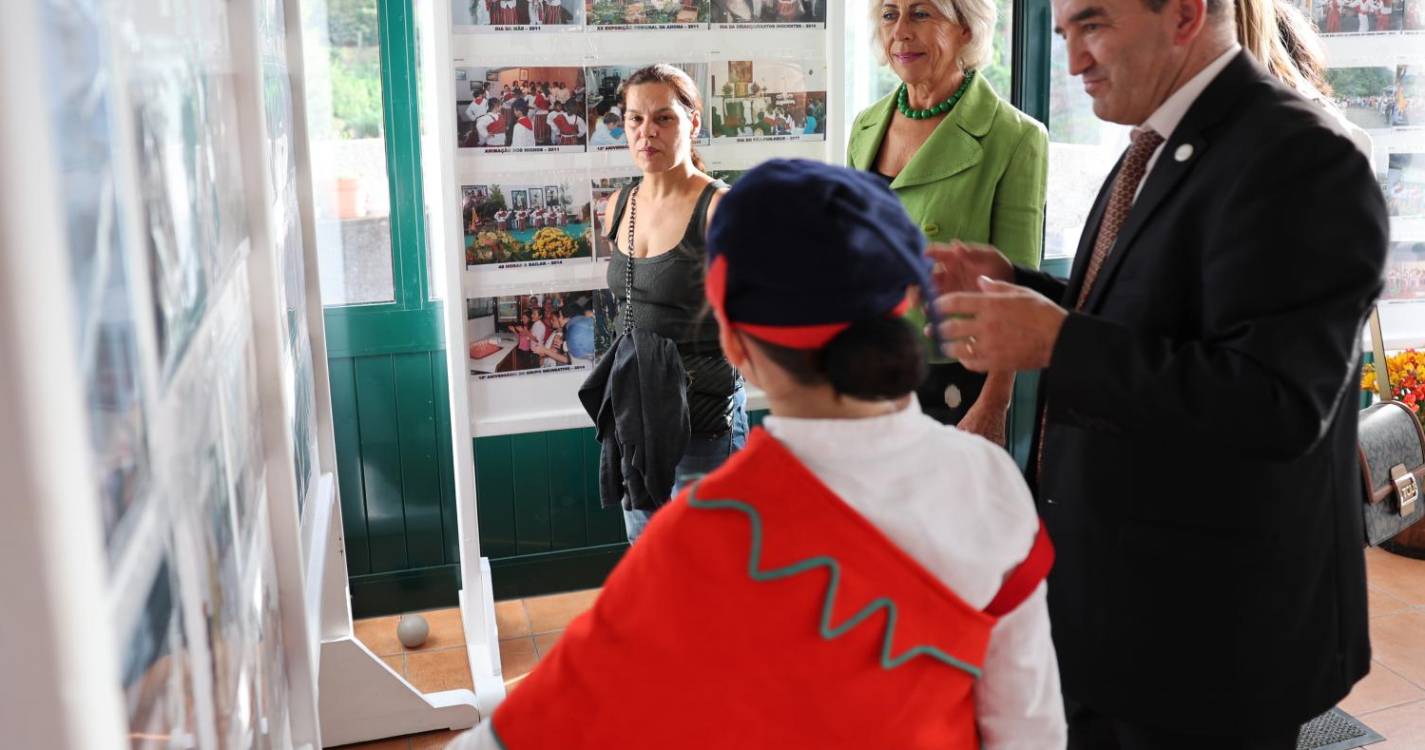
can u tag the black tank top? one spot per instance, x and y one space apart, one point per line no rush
667 292
668 299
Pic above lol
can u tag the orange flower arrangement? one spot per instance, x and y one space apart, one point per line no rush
1407 378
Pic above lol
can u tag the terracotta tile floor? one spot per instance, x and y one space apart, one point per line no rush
528 629
1391 700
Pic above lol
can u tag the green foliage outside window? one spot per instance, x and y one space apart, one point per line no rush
354 30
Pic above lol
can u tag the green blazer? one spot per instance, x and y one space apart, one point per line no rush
979 177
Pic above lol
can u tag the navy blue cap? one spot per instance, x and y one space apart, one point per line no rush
798 250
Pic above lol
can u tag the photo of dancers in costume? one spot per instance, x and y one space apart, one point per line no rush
525 108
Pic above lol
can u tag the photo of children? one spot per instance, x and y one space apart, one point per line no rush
1405 272
532 333
603 190
514 15
1358 16
662 14
508 223
1366 95
521 108
767 100
605 116
1404 185
769 12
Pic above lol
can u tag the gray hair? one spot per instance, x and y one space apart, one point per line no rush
977 16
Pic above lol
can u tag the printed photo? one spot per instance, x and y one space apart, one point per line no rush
1404 185
1367 95
511 15
157 678
603 191
605 114
515 223
769 12
767 100
1359 16
730 176
1405 272
531 333
521 108
663 14
1409 108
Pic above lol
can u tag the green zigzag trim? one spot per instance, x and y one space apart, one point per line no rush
822 561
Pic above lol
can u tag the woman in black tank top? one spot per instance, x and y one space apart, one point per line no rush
659 259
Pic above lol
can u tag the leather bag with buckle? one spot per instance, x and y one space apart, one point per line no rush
1392 453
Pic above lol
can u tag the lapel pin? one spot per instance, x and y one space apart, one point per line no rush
1183 153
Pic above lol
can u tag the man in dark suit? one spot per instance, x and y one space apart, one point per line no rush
1195 460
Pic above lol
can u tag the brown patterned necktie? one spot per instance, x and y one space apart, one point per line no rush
1115 212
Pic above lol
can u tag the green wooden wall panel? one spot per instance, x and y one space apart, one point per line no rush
420 481
529 455
495 496
567 526
381 463
345 428
445 464
605 524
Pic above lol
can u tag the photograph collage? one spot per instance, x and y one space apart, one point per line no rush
169 367
1364 16
538 333
567 109
533 234
633 15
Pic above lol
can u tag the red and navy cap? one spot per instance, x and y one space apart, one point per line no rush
799 250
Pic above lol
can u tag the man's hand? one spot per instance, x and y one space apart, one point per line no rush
959 265
1001 327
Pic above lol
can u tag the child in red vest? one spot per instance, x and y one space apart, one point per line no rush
859 575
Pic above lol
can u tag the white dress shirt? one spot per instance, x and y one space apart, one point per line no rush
1171 112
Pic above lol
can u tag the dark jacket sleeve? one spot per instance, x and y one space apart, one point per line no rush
1293 264
1049 286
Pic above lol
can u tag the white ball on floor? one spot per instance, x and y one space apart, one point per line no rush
412 630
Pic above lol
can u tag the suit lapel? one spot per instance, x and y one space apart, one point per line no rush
870 131
1167 173
1188 141
955 145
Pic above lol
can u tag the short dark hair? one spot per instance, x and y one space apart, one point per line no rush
571 310
879 358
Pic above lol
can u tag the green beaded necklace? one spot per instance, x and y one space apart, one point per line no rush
903 101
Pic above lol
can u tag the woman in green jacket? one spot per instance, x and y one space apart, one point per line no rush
966 165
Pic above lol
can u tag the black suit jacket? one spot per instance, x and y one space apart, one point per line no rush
1199 476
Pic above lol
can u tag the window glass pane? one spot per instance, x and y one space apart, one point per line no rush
1082 151
353 204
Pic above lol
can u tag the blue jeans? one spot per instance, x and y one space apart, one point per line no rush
702 456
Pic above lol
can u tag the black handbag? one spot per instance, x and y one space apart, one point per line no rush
1391 446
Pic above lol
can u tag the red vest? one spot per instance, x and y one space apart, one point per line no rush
760 611
566 126
496 127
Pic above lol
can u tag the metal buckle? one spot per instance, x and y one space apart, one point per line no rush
1406 488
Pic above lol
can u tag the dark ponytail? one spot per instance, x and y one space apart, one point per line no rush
874 359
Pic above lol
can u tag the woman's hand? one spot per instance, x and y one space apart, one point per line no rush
986 420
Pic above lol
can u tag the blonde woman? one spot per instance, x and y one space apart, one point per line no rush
965 163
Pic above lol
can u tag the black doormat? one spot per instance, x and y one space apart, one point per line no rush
1335 730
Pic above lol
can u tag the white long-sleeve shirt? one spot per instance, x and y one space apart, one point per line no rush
956 504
